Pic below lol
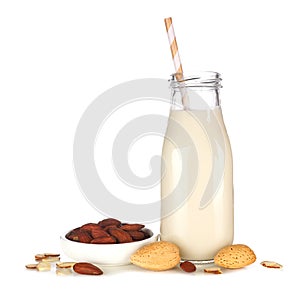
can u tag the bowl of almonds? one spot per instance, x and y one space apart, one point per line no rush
108 242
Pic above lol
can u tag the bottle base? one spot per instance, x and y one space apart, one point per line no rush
199 262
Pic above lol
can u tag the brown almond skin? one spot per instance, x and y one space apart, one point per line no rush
70 235
98 232
136 235
147 234
134 227
109 226
31 266
104 240
87 269
121 235
89 226
109 221
82 236
188 267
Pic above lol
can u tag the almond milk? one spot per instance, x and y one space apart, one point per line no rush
200 232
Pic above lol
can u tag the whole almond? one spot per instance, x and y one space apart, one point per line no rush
109 221
157 256
89 226
235 256
134 227
72 234
106 228
104 240
82 236
147 234
188 267
122 236
87 269
136 235
98 232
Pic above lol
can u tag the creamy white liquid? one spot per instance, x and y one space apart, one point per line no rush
199 232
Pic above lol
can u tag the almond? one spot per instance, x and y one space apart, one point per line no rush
82 236
235 256
63 272
213 270
271 264
39 257
65 265
121 235
109 221
51 259
147 234
89 226
157 256
31 266
104 240
43 266
52 254
134 227
87 269
98 232
187 266
73 233
136 235
109 226
43 256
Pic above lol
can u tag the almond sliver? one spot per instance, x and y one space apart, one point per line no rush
213 270
31 266
39 256
271 264
65 265
43 266
51 254
51 259
44 255
63 272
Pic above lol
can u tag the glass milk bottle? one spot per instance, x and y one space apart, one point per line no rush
197 181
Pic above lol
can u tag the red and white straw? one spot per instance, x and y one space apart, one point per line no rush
173 46
176 58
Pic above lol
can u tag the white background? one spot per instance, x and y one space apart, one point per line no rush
58 56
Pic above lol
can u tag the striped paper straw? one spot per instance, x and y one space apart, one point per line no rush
176 58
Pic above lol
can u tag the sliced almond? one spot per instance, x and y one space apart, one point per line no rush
39 256
51 259
31 266
42 256
65 265
52 254
63 272
43 266
213 270
271 264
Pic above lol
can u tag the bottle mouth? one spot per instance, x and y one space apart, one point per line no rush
204 79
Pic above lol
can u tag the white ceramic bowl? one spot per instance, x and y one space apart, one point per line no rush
104 254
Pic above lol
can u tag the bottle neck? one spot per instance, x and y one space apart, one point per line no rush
197 92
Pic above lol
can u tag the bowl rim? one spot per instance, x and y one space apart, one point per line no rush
152 235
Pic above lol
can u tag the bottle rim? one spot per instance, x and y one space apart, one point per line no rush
204 79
